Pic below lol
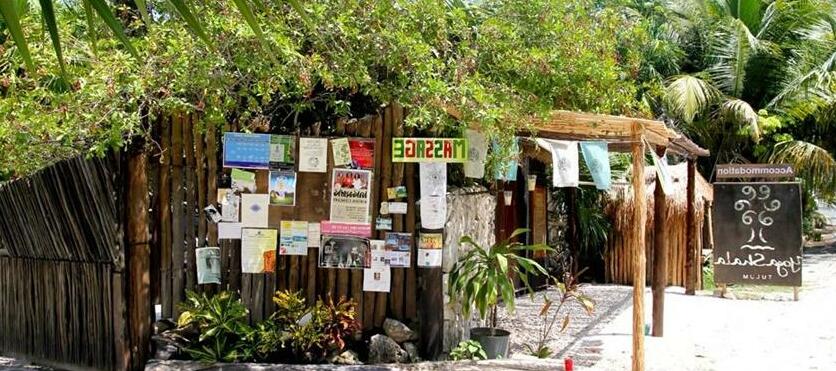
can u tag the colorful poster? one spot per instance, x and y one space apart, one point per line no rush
350 196
597 158
429 150
254 210
270 261
341 151
208 261
396 207
477 154
282 149
293 238
243 181
313 155
247 151
433 182
314 231
396 192
383 223
254 244
230 205
344 252
377 279
283 188
378 254
362 153
229 231
398 248
429 249
346 229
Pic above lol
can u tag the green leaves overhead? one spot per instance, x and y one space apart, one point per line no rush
49 19
193 24
11 15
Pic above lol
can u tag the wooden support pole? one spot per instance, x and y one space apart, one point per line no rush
660 255
139 258
572 230
691 260
640 210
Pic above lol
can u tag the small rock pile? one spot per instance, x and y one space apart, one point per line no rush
396 346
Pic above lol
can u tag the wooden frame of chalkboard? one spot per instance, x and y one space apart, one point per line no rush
758 237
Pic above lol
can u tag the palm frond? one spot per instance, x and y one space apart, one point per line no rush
730 49
48 15
688 95
104 12
812 163
11 15
741 113
809 85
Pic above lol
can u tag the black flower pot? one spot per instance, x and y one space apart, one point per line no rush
494 341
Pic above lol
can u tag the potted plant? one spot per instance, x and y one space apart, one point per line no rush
484 276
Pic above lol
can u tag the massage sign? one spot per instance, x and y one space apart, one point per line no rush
757 233
429 150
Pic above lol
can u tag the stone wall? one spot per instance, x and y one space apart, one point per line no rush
470 211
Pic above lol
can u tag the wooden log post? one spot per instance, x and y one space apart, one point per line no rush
691 260
638 238
660 254
139 258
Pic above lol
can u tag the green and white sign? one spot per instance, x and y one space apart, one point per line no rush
429 150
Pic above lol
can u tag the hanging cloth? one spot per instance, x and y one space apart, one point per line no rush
597 158
663 173
564 161
477 154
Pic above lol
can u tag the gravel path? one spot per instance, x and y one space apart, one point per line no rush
709 333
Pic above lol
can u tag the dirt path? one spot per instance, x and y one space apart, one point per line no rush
709 333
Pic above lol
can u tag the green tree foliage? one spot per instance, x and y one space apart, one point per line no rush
492 63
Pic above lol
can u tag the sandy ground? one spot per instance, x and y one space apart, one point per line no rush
709 333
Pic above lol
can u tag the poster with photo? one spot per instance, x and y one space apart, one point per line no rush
377 279
396 192
344 252
341 151
208 261
282 149
255 243
428 258
230 205
313 155
383 223
362 153
254 210
282 188
429 249
398 248
378 254
293 238
350 196
243 181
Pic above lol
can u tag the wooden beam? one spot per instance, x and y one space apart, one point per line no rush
640 210
660 255
691 260
139 258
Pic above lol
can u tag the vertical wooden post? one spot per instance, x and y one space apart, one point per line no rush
691 260
139 259
640 210
660 254
572 230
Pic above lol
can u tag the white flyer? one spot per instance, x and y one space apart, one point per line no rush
254 210
313 155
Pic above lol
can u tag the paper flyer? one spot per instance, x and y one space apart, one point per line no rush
430 249
433 182
362 153
293 238
230 205
345 229
246 151
396 192
377 279
243 181
229 231
208 261
477 154
282 188
254 244
396 208
429 258
344 252
383 223
254 210
313 155
398 247
350 196
282 148
341 151
313 234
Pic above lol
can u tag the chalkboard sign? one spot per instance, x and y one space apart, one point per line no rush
757 229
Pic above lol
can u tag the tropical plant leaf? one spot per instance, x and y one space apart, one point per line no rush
730 48
742 114
565 323
91 26
10 13
143 11
48 15
687 96
249 17
812 163
104 12
194 25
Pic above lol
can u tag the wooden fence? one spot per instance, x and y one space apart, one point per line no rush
185 179
61 281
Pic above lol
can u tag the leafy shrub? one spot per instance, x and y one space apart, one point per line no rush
468 350
215 328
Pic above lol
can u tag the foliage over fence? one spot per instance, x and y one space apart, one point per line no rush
495 62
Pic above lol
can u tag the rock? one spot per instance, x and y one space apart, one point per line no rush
412 350
398 331
348 357
165 352
382 349
163 326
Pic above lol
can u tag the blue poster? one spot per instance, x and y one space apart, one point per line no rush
247 151
597 158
